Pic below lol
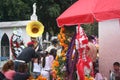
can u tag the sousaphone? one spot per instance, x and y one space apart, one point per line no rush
34 28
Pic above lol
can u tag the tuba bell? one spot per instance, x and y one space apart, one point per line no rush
34 28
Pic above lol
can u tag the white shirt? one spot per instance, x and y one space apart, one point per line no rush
98 76
46 70
48 62
37 67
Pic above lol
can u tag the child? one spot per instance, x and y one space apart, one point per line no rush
37 66
98 76
47 64
22 73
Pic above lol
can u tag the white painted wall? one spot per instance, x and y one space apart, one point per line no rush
109 45
9 32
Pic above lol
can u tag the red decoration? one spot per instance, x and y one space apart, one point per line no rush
80 69
84 64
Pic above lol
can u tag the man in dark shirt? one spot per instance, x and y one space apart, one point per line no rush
26 55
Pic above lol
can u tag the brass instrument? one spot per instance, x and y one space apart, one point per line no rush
34 29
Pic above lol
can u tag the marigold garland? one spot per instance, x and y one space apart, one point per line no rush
89 78
38 78
58 65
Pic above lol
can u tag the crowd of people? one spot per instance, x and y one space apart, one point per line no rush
29 63
32 62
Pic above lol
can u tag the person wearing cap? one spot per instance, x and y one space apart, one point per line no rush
27 55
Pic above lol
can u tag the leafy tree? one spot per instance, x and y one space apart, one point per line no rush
47 12
11 10
91 29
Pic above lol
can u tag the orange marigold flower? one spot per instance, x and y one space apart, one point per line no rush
62 40
62 54
62 29
55 63
56 58
58 78
62 44
66 48
41 78
54 73
63 35
59 36
89 78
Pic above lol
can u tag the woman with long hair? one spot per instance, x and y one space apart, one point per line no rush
47 63
37 65
8 70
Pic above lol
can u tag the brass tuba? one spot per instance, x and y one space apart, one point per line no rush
34 28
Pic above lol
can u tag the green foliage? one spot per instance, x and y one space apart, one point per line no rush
14 10
53 10
47 12
59 69
91 29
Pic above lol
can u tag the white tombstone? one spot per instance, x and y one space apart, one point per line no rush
109 45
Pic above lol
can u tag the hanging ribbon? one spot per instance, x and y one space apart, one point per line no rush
69 54
70 64
80 69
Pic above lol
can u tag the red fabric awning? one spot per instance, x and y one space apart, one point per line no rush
106 9
79 12
85 11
